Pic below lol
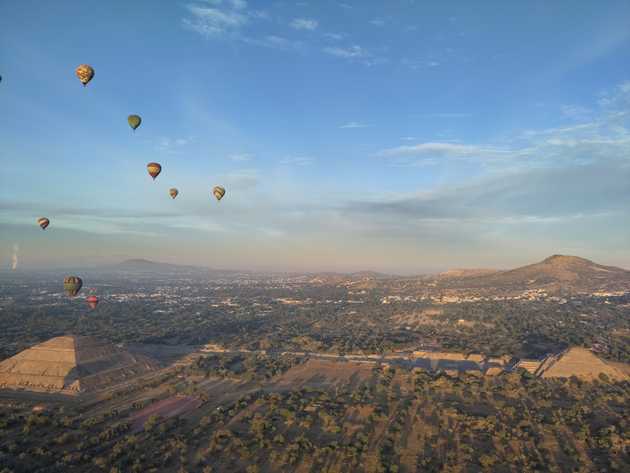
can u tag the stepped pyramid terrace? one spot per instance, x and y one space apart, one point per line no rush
72 365
575 361
579 362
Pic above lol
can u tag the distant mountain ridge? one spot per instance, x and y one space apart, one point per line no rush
141 264
556 272
138 261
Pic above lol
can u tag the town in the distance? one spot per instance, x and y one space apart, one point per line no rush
187 369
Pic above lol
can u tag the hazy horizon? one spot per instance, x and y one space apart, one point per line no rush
405 139
115 265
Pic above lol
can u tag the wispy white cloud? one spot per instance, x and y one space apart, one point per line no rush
297 161
238 4
377 22
171 145
446 115
216 20
561 130
275 42
241 179
234 20
423 63
606 136
259 15
304 24
223 19
355 53
350 52
440 149
240 157
334 36
354 125
235 4
617 99
576 112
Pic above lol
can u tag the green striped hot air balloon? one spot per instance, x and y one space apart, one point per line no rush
72 285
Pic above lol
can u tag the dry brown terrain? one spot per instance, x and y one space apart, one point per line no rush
322 374
170 407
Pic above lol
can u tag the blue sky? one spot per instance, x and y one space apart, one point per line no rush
396 135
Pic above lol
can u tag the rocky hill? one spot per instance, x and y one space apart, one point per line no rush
556 273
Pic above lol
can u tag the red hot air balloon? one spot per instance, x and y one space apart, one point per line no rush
92 301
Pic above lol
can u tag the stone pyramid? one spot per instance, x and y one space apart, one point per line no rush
582 363
72 365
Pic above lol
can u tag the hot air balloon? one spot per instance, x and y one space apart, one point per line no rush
134 121
218 192
92 301
154 169
173 192
85 73
72 285
43 222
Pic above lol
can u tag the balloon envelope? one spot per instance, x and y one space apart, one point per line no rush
218 192
85 73
43 222
173 192
154 169
92 301
134 121
72 285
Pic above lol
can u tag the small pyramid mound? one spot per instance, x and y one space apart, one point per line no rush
582 363
72 365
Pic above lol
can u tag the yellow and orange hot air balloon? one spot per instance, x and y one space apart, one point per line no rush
173 192
43 222
154 170
218 192
85 73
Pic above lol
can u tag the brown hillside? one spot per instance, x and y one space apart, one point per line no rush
466 273
72 365
555 272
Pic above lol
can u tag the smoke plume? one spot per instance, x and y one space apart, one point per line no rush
14 259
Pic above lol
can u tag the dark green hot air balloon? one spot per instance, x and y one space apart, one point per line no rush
72 285
134 121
